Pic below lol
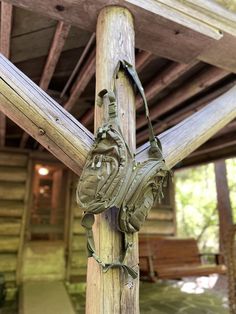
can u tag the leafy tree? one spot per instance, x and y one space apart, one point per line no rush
196 203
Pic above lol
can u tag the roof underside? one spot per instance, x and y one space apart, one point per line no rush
174 90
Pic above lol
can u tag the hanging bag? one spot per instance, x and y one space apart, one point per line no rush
112 178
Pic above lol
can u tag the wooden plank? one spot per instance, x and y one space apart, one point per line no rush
79 243
12 174
40 115
181 114
162 80
9 208
142 59
194 131
8 244
57 44
158 228
12 191
221 53
82 81
55 296
9 227
8 262
79 259
161 214
2 129
206 78
36 44
78 64
6 25
169 28
13 159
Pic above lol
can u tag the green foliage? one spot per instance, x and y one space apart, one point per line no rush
196 203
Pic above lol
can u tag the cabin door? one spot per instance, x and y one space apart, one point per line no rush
45 248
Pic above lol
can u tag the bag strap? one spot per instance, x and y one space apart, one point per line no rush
87 222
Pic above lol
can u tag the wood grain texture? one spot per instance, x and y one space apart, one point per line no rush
2 129
6 25
109 292
181 114
57 45
192 87
223 200
169 28
82 81
181 140
163 79
44 119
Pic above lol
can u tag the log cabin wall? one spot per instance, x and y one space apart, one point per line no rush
77 257
161 219
14 181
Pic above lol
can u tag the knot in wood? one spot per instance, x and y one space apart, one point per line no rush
41 132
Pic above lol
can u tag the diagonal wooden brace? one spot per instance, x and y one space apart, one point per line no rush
60 133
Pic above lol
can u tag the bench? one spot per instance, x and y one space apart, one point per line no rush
173 258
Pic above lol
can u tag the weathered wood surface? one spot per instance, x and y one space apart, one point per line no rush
9 227
169 28
8 262
58 42
109 292
9 208
35 111
40 116
13 159
8 244
12 190
14 174
223 200
192 87
181 114
179 141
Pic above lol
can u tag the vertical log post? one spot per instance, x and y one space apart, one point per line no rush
110 292
223 200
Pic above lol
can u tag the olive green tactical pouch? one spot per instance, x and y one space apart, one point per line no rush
111 177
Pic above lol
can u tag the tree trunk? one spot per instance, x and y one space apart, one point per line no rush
110 292
223 200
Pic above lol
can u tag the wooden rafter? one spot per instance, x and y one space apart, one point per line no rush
60 36
162 80
50 124
181 114
84 77
57 45
142 59
173 28
203 80
5 39
184 138
79 63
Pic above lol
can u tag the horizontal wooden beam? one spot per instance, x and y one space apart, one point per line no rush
41 117
181 114
206 78
169 27
181 140
50 124
59 39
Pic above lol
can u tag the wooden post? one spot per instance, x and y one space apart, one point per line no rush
223 200
110 292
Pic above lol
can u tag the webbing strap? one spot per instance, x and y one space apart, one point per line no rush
87 222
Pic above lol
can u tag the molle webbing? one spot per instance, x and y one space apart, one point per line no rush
110 154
